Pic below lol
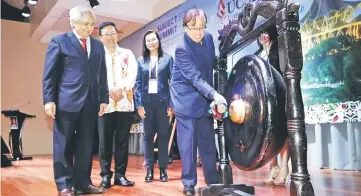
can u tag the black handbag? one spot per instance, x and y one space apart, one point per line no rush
136 117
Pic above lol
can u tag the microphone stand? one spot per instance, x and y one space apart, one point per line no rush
19 105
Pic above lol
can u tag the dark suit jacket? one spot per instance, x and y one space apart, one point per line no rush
69 74
164 74
192 78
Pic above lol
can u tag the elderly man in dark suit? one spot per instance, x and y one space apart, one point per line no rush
191 93
75 92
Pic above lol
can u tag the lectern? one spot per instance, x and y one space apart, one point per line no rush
17 119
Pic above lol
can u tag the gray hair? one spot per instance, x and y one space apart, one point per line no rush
77 12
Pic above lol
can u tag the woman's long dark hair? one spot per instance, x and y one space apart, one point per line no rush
272 32
273 56
146 52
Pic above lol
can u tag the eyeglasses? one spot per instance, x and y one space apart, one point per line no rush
109 34
197 29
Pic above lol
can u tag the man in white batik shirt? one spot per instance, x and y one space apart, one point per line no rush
116 122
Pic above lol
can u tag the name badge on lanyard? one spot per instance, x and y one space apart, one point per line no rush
153 82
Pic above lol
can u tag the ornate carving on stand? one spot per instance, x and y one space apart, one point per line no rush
291 62
247 20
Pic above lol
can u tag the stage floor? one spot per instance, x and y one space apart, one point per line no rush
35 178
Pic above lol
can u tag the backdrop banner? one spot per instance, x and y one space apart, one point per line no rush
331 44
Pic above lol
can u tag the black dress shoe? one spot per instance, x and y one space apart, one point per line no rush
189 190
89 190
163 175
149 177
123 181
105 183
170 160
66 192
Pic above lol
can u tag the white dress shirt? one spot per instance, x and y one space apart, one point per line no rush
121 75
264 55
265 52
87 42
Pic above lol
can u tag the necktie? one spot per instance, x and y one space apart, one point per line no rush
83 45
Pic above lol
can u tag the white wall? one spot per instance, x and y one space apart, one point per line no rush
22 63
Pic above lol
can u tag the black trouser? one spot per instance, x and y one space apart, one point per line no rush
156 121
73 135
115 124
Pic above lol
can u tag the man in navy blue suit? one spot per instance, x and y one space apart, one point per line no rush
75 92
191 95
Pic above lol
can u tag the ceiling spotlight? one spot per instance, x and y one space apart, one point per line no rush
26 11
93 3
33 2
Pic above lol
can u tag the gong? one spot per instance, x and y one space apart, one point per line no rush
255 129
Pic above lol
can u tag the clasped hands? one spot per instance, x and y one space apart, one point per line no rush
116 94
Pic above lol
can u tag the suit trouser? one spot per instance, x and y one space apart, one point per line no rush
156 121
114 125
73 135
193 133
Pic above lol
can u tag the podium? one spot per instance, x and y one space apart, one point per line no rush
17 119
5 162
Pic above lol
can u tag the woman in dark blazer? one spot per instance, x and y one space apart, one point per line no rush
268 50
152 101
